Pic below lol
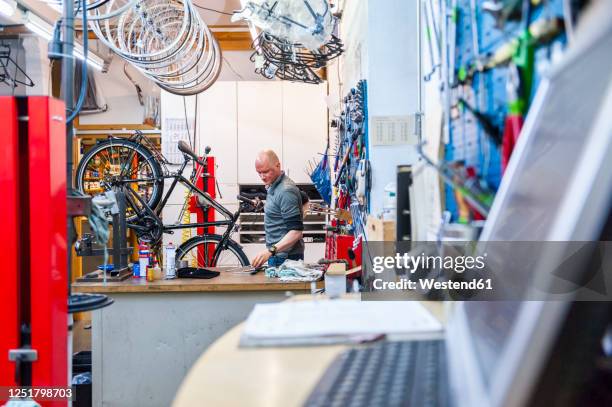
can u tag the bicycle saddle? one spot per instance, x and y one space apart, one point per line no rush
185 149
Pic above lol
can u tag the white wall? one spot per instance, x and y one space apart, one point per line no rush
392 84
37 65
238 67
381 45
120 94
354 32
238 119
30 53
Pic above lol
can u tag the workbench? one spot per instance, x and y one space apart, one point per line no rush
144 344
229 376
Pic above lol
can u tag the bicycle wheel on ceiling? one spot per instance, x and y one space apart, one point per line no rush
119 161
199 252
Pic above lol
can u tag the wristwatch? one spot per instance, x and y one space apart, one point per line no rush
272 250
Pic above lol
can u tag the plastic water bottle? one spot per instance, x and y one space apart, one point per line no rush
143 259
170 261
390 201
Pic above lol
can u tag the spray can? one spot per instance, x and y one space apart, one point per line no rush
170 257
150 274
143 259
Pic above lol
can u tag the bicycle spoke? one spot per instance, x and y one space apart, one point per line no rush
104 170
201 256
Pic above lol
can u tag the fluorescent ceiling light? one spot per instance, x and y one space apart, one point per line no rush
38 26
7 7
92 59
44 30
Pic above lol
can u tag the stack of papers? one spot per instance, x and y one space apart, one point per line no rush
293 323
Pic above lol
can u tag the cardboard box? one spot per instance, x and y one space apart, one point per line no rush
378 230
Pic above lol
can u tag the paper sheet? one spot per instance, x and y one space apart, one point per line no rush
303 319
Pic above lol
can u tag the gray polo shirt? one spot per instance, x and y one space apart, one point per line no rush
283 212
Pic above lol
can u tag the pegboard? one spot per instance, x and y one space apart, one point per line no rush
351 167
477 38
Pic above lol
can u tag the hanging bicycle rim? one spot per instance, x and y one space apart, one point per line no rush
167 41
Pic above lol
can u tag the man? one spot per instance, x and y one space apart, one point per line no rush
282 213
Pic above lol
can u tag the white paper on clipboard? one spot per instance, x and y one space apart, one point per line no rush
307 320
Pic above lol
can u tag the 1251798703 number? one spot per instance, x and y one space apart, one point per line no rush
36 393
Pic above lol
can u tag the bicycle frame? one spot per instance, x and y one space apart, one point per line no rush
142 209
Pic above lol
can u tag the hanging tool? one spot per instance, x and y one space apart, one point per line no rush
340 214
363 181
541 32
429 28
502 11
484 121
435 28
445 86
474 192
481 93
519 85
505 10
514 118
463 208
452 40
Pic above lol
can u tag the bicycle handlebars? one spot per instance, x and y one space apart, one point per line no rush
255 203
186 150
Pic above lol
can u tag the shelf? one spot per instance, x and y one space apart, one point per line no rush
261 232
252 223
305 223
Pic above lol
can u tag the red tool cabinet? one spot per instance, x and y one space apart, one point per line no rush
206 182
34 291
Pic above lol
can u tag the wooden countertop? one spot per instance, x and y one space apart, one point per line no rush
234 280
229 376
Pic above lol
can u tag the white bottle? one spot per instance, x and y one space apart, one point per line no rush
170 261
390 201
143 259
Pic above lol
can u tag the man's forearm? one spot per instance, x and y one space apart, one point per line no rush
288 240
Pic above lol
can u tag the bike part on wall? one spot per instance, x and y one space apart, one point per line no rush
276 57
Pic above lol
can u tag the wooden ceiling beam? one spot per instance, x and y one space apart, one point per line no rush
228 40
234 40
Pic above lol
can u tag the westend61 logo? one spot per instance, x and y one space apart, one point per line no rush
448 266
457 264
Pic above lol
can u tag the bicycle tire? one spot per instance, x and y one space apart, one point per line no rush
142 151
233 255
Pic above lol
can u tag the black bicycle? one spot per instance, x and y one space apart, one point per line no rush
136 167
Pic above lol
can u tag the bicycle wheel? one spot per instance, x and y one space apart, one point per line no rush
100 168
198 252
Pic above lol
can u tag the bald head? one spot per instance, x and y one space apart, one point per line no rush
267 166
267 155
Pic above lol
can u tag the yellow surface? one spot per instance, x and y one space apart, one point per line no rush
264 377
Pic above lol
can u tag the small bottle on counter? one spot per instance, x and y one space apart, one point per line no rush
143 259
157 272
150 274
170 258
136 270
